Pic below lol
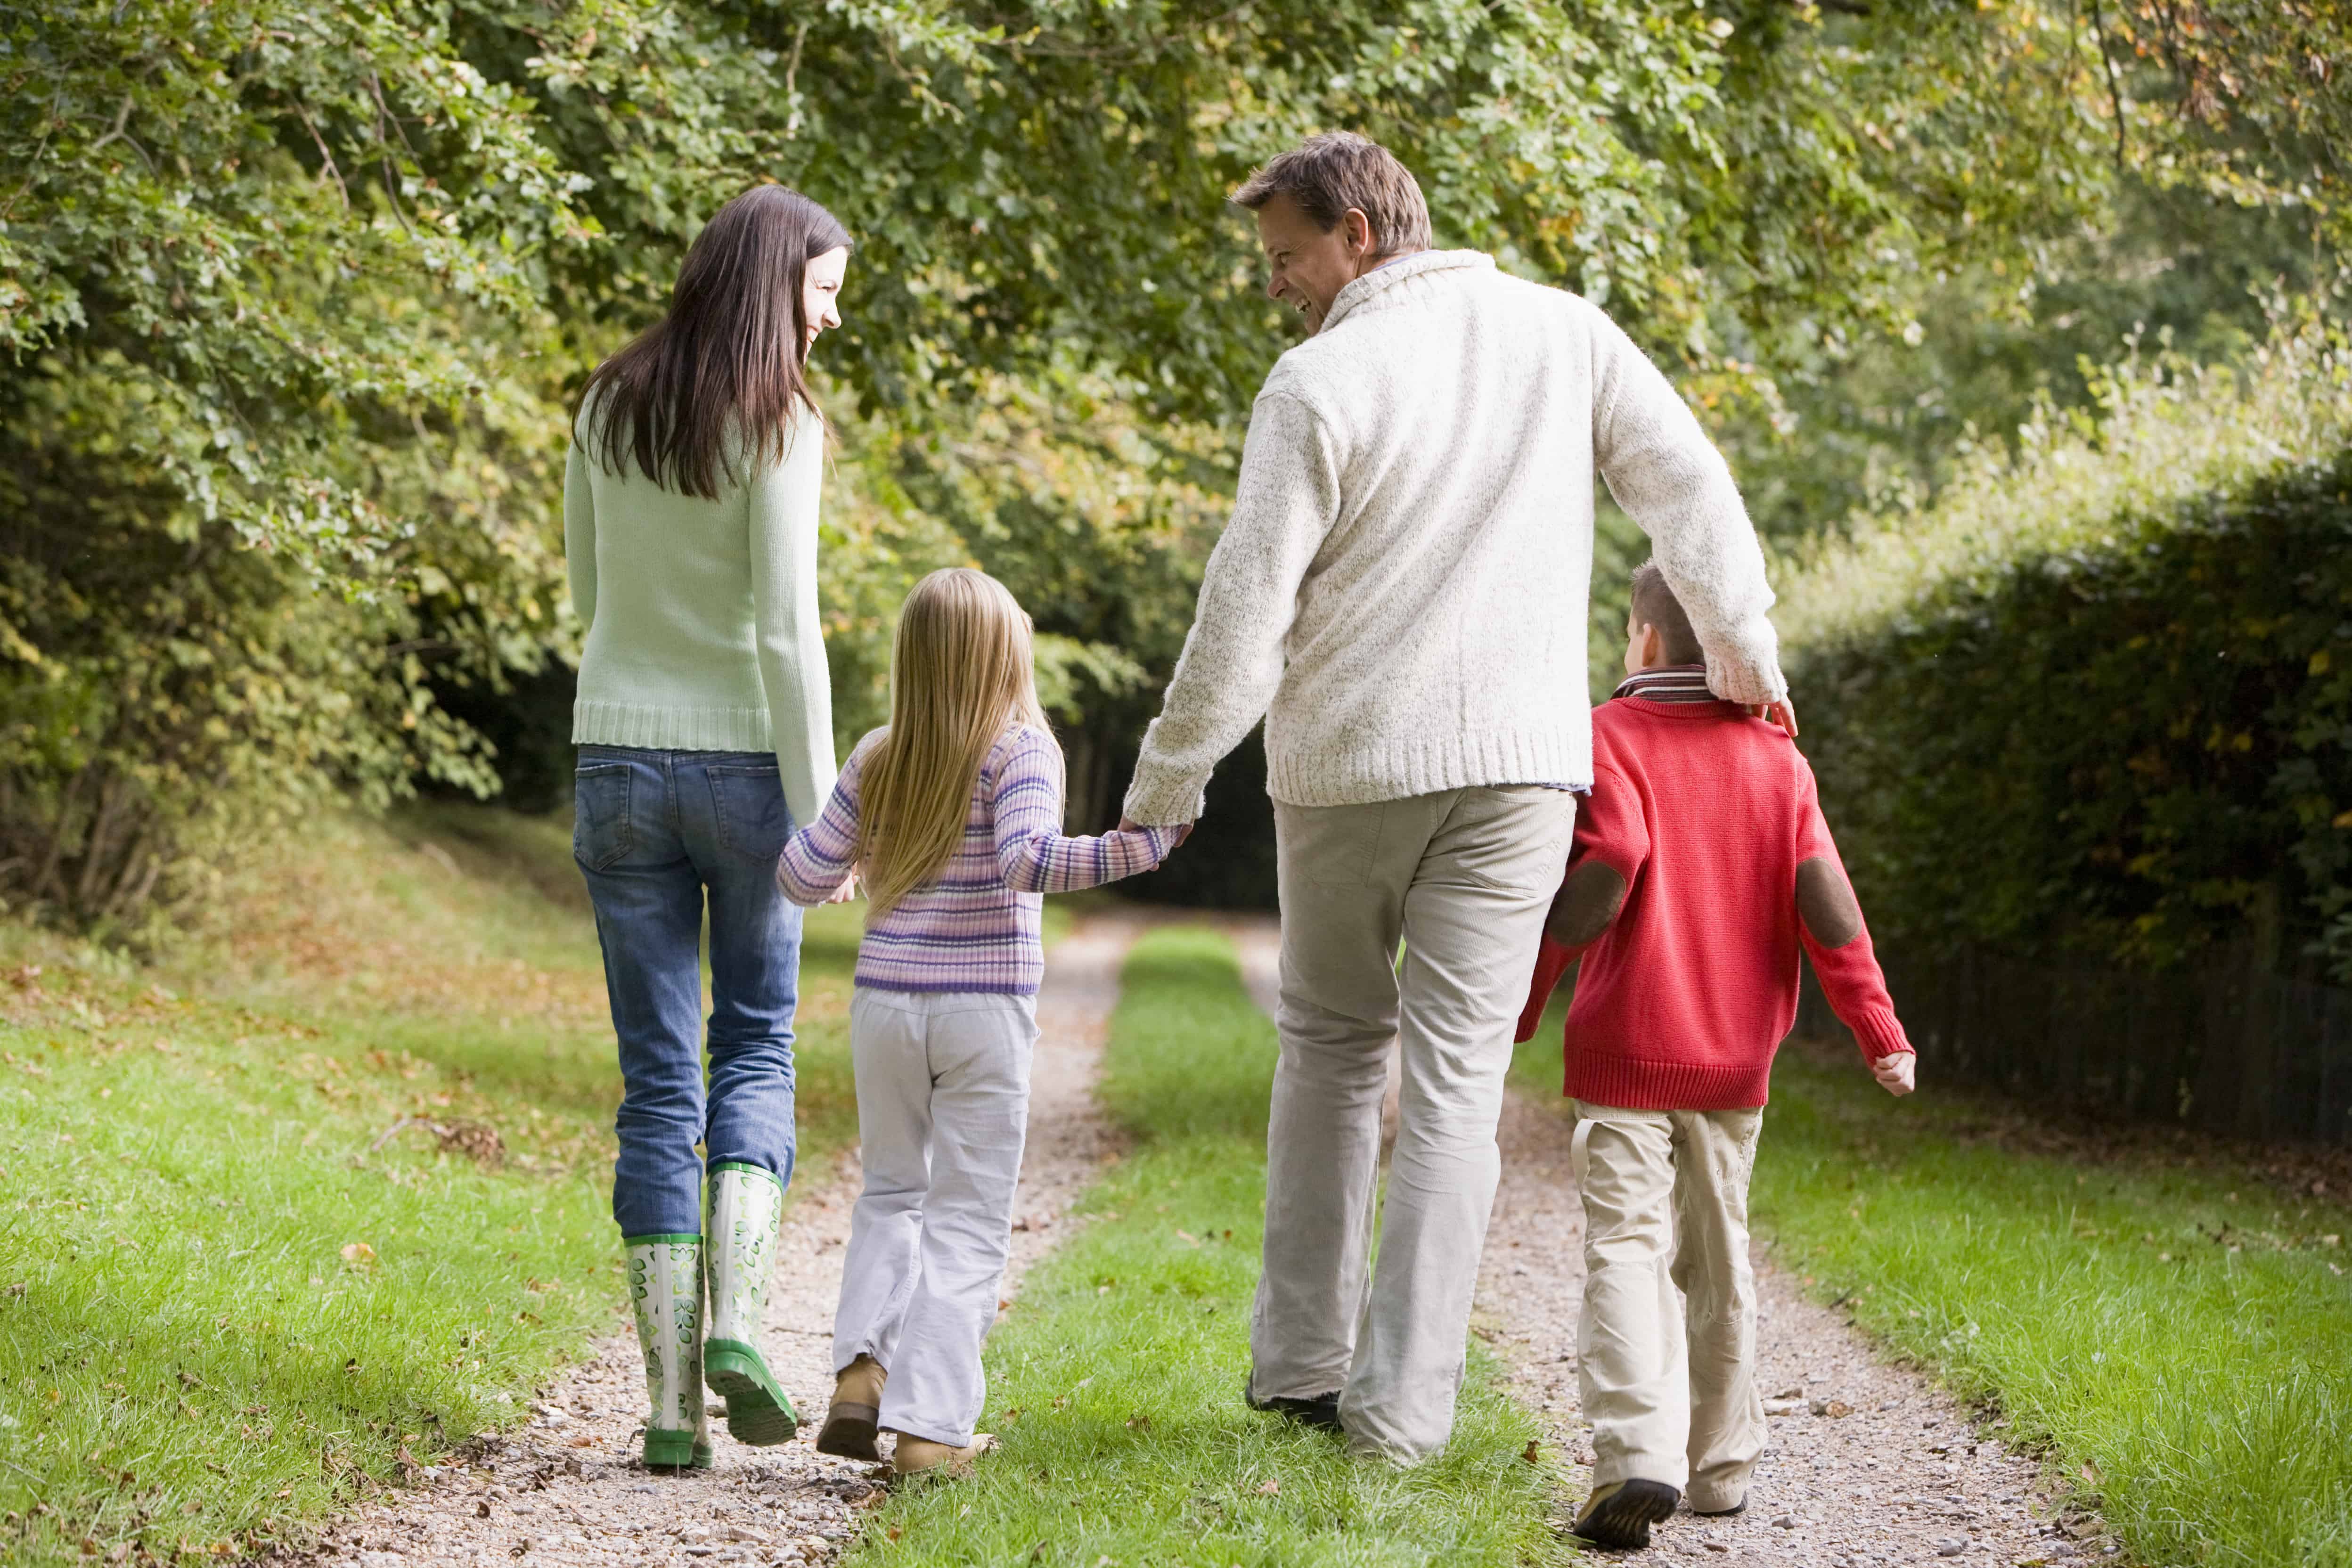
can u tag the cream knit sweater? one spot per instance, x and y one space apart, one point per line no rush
1400 590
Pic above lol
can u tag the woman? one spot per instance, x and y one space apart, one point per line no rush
706 734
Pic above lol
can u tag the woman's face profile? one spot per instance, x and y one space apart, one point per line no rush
821 292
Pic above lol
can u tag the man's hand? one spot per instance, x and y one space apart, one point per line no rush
1128 824
1783 713
1896 1074
847 892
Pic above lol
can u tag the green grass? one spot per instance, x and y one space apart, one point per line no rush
2178 1337
1116 1383
223 1311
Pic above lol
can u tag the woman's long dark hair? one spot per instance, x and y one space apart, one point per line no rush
725 364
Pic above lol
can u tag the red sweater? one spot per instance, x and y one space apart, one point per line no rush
1707 813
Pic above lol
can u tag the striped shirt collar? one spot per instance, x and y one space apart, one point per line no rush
1667 683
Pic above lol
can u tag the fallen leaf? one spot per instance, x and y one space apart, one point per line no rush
1269 1488
359 1254
1530 1451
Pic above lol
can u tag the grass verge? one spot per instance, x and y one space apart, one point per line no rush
228 1300
2178 1336
1116 1383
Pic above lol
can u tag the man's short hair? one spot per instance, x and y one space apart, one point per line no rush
1655 604
1327 175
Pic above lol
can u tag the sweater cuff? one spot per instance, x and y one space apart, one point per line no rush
1165 803
1878 1032
1747 668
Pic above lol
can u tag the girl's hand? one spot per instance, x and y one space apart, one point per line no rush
847 892
1896 1074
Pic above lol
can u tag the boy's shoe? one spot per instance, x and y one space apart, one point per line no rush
920 1456
1319 1411
854 1417
665 1299
747 1207
1621 1514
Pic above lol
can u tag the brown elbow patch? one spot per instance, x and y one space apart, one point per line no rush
1826 904
1587 902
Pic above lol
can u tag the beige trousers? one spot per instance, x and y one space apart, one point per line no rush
1666 1349
1462 878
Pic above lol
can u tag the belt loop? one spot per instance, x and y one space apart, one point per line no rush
1579 1155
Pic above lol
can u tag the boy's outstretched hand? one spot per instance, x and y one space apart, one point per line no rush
1896 1074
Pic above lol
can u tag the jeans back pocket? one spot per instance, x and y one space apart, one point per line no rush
600 814
747 801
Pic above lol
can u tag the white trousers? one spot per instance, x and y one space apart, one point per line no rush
1666 1346
1462 878
943 1112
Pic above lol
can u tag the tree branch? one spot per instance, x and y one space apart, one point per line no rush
2115 89
327 159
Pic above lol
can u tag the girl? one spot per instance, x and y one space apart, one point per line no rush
705 732
950 814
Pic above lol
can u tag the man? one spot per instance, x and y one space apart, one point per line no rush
1401 592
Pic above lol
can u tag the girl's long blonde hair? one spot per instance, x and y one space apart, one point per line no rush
963 672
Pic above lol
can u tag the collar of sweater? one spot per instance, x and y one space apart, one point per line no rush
1391 275
1667 683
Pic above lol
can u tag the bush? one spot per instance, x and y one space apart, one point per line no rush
2100 697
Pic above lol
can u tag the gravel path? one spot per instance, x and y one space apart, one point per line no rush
567 1489
1869 1463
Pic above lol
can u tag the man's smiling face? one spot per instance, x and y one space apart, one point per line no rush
1307 265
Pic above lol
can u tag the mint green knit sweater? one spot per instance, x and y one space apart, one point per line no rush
702 618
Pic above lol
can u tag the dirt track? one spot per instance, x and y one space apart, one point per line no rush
567 1488
1891 1471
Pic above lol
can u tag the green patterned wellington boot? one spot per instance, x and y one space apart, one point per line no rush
747 1207
666 1291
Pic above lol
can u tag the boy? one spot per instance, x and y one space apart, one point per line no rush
1701 864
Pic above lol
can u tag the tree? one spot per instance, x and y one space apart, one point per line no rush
296 296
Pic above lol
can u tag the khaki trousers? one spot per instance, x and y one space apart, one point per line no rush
1667 1348
1463 878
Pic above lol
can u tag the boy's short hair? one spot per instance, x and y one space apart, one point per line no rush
1327 175
1655 604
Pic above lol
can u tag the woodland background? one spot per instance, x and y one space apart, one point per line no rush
2019 323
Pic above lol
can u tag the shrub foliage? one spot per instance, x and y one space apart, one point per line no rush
294 296
2102 697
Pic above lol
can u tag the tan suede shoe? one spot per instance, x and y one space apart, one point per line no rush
852 1422
920 1455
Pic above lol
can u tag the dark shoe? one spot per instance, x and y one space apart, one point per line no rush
1621 1515
1321 1411
855 1418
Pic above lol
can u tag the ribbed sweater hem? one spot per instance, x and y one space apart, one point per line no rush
1399 767
947 983
658 727
1604 1077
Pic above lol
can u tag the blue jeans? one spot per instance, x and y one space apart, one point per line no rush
654 831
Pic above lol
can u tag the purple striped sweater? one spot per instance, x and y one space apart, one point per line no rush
973 927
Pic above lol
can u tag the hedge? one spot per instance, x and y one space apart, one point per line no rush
2099 699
